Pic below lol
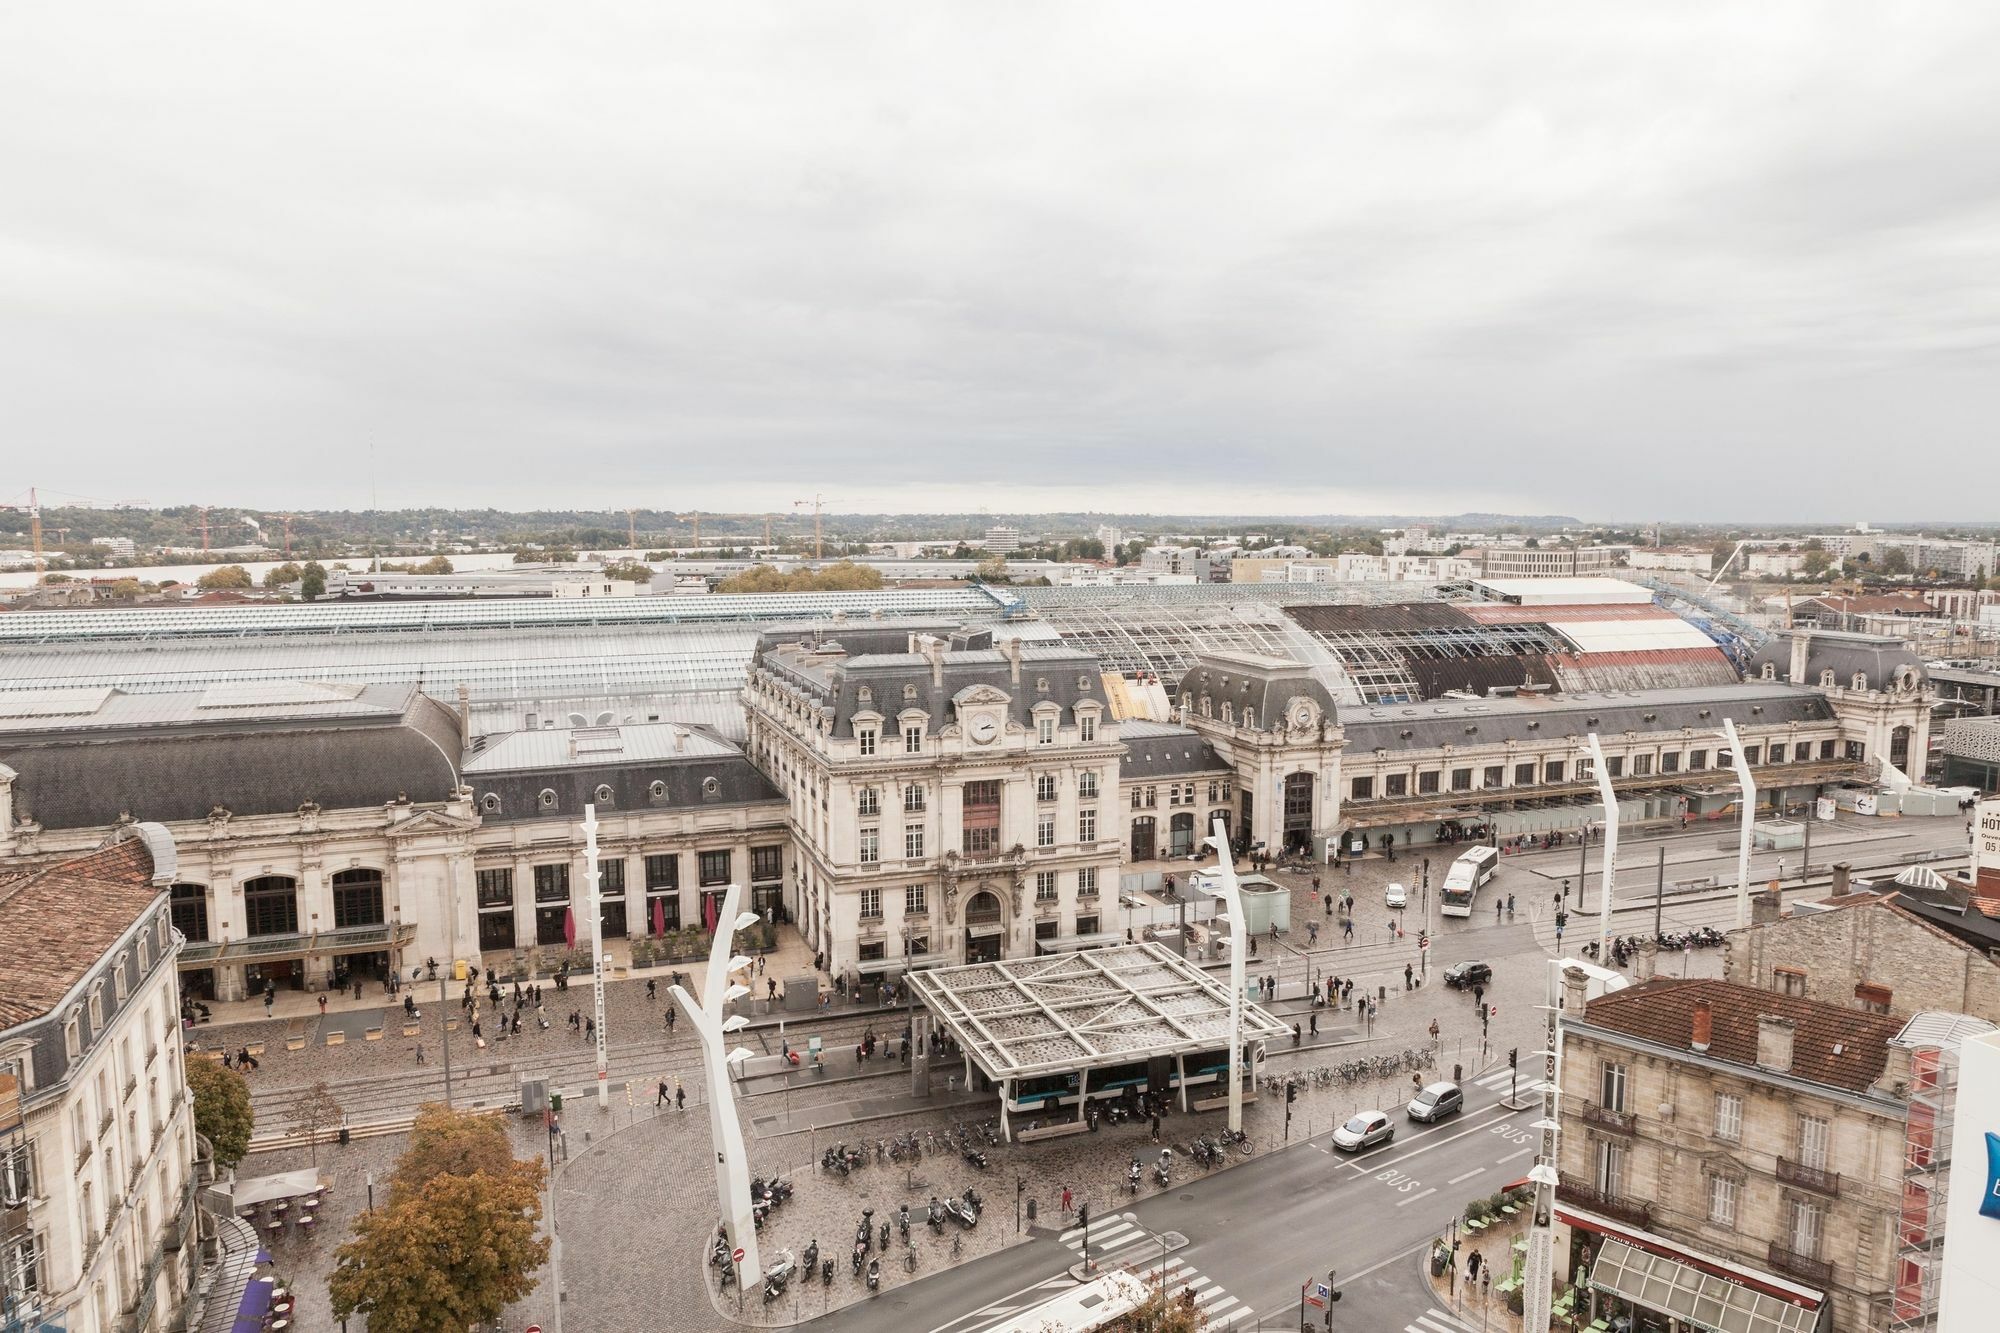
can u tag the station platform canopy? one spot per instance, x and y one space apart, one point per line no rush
1022 1017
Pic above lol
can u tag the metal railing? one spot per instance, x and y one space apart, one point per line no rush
1583 1195
1816 1271
1809 1177
1623 1122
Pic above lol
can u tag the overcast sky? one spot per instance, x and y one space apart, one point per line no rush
1619 260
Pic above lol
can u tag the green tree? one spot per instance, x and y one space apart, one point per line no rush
1163 1312
222 1113
314 1114
993 569
230 578
457 1243
312 581
125 590
280 576
437 564
1896 562
629 571
1815 560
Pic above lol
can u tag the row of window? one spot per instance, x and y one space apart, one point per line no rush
868 739
1179 793
916 897
1812 1141
713 869
1362 788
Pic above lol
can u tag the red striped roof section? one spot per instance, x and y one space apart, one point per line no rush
1500 613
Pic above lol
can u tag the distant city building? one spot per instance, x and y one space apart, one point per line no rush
1192 560
1111 537
123 548
1001 540
1774 564
1352 567
594 586
1551 562
1674 559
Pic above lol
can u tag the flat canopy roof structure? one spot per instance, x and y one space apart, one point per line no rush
1022 1017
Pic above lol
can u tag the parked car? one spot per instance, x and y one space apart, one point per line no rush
1436 1102
1365 1130
1396 896
1468 974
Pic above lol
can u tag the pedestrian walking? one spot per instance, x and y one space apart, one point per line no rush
771 990
1329 904
270 998
322 1006
1479 996
420 1052
1314 1019
652 989
1066 1197
680 1096
1434 1031
670 1019
1347 929
1498 908
1156 1126
589 1029
661 1099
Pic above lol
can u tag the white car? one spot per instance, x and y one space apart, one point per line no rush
1366 1129
1396 896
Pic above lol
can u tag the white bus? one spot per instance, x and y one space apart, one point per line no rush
1081 1309
1463 880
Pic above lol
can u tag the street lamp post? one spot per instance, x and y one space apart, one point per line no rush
1610 799
1232 898
590 876
712 1028
1747 803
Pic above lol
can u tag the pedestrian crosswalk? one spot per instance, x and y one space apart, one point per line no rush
1435 1320
1121 1240
1502 1080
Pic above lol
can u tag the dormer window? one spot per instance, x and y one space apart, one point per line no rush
1041 685
711 788
864 695
1228 712
1045 731
909 694
547 799
913 738
1860 680
490 803
1250 719
1826 679
1770 671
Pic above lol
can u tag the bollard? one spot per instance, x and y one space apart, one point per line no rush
1031 1210
1381 992
1458 1073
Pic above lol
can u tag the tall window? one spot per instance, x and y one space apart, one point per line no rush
17 1174
867 802
663 871
913 740
1728 1117
767 863
1611 1086
1495 776
1045 830
1086 784
495 887
1396 784
1045 886
190 910
1611 1169
1045 786
1086 885
1670 762
1814 1137
271 905
866 739
1614 764
611 877
1086 727
1777 752
1553 771
913 843
357 898
1427 782
714 868
1086 826
1722 1201
1805 1223
1045 731
979 815
871 904
552 884
1361 789
916 900
871 846
913 799
1461 779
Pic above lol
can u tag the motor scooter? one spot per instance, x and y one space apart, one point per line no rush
936 1218
1132 1177
874 1274
1162 1168
778 1275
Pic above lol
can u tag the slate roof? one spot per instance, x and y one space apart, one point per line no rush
178 762
1662 1011
1877 655
1441 722
56 923
1163 750
1267 684
709 773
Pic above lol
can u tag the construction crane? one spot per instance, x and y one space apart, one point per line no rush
767 532
285 519
632 530
202 528
815 502
694 518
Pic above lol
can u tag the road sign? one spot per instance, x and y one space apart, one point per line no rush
737 1254
1423 944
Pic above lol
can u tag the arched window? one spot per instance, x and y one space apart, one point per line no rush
190 910
490 803
357 898
547 800
1826 679
1861 680
271 905
1770 671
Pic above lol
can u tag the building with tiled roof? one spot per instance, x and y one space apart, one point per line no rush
1872 952
1727 1135
97 1143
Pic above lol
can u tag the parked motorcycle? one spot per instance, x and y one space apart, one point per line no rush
874 1274
936 1218
778 1275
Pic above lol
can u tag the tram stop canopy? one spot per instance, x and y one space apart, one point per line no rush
1064 1013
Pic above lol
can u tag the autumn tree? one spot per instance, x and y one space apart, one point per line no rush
280 575
1163 1312
628 571
230 578
1896 561
437 564
314 1114
457 1243
1815 560
222 1113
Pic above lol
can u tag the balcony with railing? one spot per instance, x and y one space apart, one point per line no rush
1633 1212
1619 1122
1783 1258
1809 1177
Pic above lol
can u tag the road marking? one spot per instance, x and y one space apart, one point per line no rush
1512 1155
1414 1197
1434 1320
1372 1163
1467 1176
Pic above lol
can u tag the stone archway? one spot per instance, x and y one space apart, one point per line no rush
1298 812
985 927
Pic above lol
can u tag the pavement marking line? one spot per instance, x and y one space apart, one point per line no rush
1467 1176
1377 1163
1434 1321
1414 1197
993 1308
1423 1244
1512 1155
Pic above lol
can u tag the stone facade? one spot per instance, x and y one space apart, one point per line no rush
1871 956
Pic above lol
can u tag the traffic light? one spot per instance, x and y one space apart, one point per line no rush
1291 1091
1513 1057
1083 1214
1423 939
1562 920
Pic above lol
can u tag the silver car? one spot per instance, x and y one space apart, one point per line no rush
1365 1130
1436 1102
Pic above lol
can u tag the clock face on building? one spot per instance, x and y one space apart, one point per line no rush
984 729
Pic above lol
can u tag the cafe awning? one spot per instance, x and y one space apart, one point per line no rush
283 1185
1703 1295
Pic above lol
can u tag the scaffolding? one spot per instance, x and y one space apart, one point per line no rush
1932 1040
22 1300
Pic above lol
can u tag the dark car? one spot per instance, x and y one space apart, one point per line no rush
1463 975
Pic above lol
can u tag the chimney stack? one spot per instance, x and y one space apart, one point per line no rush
1014 661
464 718
680 741
1774 1043
1801 648
1575 984
1646 965
1704 1026
1843 879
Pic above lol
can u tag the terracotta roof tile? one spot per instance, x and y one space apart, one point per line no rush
56 923
1663 1011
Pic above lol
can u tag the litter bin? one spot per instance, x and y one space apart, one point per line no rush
555 1102
1381 992
1031 1210
345 1137
1458 1073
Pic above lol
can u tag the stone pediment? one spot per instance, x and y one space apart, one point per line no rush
429 821
973 696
